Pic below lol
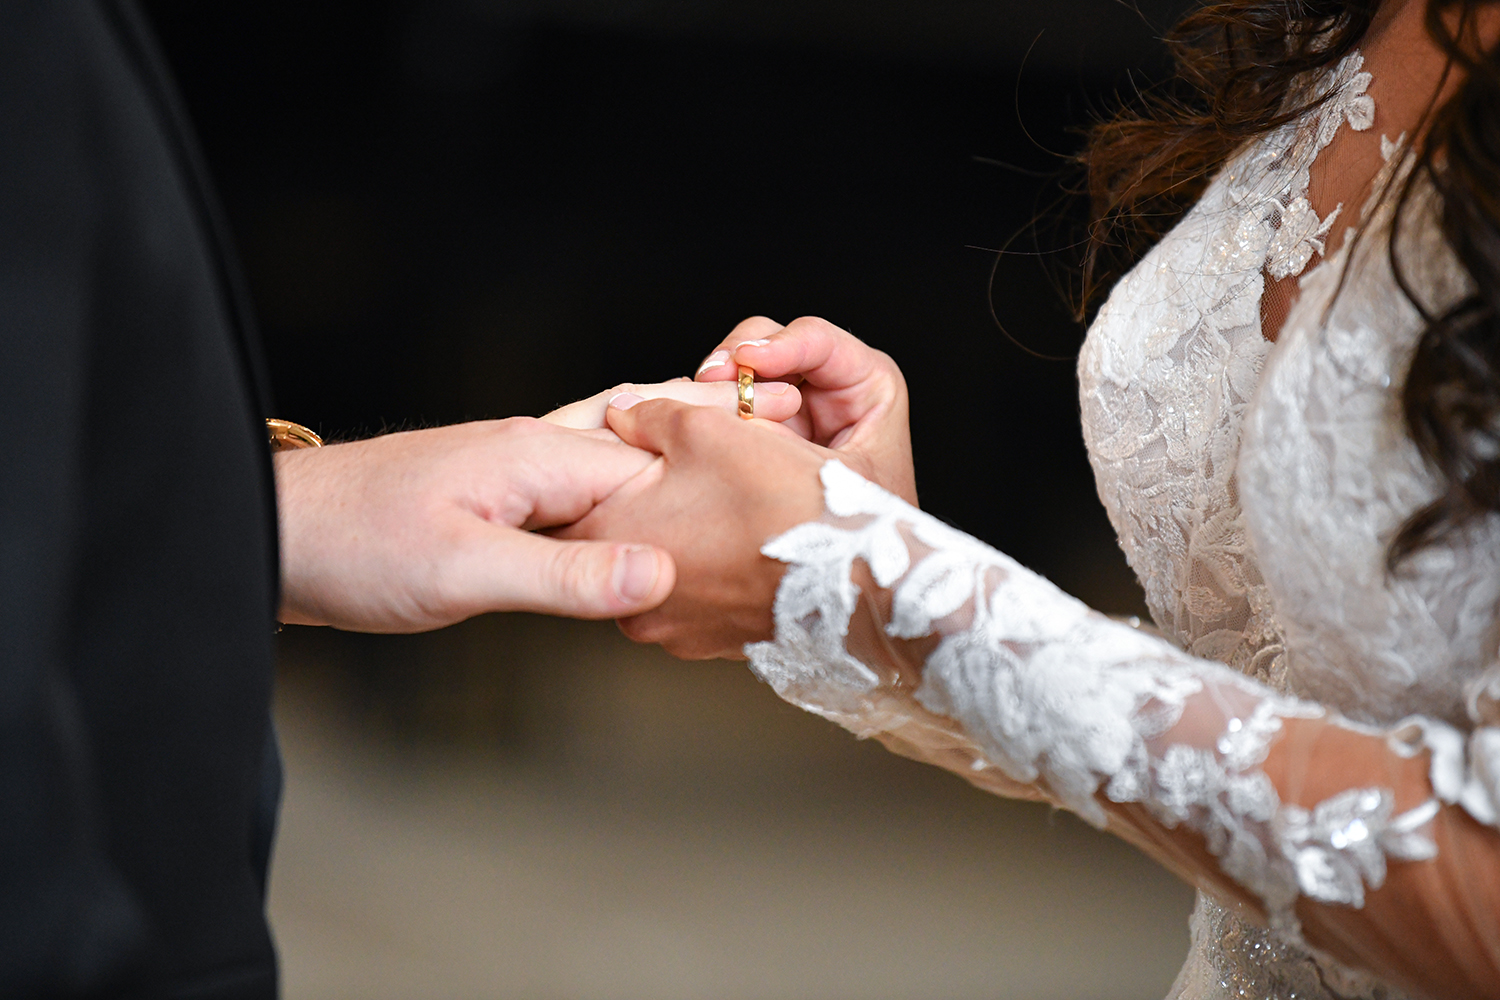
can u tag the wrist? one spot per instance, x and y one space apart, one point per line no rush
296 498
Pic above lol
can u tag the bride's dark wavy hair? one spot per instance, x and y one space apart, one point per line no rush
1236 64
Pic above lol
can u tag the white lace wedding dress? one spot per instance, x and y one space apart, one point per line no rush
1254 488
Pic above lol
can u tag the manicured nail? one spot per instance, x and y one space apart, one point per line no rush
714 360
624 400
774 388
753 343
635 574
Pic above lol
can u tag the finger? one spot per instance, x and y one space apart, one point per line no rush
773 400
511 570
651 425
580 415
659 425
534 475
655 628
825 355
790 429
566 485
716 367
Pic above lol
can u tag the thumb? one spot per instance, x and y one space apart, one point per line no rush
522 571
650 425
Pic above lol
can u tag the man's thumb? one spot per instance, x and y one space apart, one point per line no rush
588 579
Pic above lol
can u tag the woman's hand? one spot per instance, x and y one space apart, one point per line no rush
775 401
721 488
853 397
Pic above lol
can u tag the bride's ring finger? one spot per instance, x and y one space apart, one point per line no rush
774 401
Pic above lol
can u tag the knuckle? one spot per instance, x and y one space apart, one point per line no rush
646 629
437 593
689 647
751 325
574 574
888 363
517 438
681 420
520 426
817 326
698 422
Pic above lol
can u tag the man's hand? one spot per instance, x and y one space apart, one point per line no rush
414 531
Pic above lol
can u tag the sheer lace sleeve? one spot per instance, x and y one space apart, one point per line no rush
1026 691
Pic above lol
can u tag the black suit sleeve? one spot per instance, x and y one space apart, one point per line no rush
137 539
67 919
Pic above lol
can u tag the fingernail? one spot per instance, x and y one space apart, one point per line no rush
624 400
753 343
635 574
774 388
714 360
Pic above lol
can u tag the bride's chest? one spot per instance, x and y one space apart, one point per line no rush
1328 475
1256 488
1166 375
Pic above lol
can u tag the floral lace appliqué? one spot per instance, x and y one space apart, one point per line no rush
1170 367
1051 693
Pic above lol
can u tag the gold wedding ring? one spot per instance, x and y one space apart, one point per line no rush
747 393
286 436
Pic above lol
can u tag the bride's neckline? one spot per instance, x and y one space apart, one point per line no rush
1408 77
1305 210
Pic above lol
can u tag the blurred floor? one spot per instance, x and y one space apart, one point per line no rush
686 835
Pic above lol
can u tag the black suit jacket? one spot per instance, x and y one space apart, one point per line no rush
138 571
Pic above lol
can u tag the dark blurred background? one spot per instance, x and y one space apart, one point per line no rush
454 209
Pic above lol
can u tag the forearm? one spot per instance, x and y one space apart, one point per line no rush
1421 914
969 661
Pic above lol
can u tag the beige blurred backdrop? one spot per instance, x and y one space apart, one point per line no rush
537 809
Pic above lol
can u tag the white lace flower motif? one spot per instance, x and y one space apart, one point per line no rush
1300 237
